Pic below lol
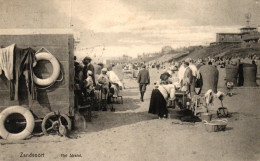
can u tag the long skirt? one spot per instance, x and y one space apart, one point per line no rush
158 104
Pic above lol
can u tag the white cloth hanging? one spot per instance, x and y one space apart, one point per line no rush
6 61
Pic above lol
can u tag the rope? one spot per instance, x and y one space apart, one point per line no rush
42 49
61 76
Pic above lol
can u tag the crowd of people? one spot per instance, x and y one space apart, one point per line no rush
184 77
179 76
94 85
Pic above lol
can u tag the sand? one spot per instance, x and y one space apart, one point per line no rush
131 134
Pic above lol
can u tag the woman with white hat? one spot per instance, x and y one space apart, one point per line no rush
88 84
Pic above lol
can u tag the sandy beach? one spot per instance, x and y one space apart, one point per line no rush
131 134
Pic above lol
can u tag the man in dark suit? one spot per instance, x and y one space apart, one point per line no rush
88 66
187 79
143 79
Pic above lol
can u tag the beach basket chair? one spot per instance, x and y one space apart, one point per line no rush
116 95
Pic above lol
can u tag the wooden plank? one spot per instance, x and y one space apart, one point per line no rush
5 98
4 82
35 40
40 110
61 53
71 74
64 83
59 88
59 84
59 95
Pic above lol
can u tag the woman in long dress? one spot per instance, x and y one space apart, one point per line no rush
159 98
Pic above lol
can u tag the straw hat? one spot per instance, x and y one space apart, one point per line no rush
90 72
104 70
188 60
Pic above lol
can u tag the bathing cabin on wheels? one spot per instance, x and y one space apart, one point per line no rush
53 82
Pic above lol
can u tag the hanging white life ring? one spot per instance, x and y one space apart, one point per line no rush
29 123
55 66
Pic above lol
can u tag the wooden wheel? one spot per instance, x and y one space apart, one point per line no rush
55 123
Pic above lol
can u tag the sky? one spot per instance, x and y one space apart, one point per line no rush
115 27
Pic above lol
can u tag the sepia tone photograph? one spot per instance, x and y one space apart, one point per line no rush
129 80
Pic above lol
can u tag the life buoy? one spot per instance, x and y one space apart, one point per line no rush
55 66
29 123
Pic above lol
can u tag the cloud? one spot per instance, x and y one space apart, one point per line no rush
200 12
137 26
132 26
33 14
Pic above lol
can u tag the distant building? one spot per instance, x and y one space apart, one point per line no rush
247 34
229 38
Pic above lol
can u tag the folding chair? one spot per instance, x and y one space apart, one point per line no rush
181 97
115 99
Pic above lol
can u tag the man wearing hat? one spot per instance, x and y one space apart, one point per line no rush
88 66
195 76
187 78
143 79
